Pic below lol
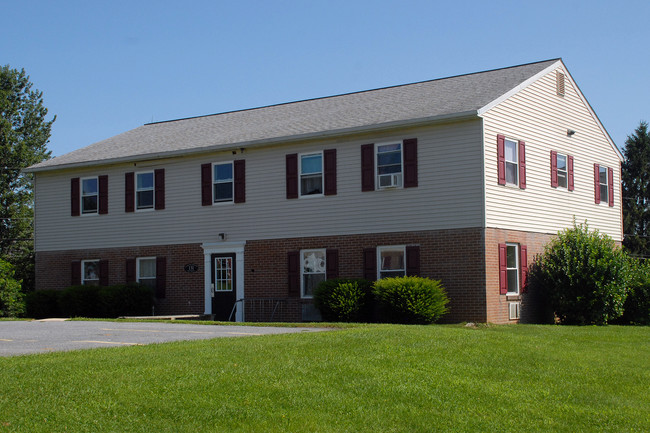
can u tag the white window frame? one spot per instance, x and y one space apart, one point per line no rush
565 171
302 269
81 196
232 182
605 200
152 189
137 269
515 162
322 175
83 271
401 172
401 248
517 270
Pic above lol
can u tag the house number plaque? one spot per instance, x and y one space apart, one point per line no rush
191 267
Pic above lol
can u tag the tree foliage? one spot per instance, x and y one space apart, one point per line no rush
636 192
24 133
11 297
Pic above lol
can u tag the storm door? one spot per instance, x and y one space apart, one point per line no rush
224 294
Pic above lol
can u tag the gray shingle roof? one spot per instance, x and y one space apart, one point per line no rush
409 103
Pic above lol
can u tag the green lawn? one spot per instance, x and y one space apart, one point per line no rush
376 378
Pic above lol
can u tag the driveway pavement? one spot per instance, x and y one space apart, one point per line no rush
21 337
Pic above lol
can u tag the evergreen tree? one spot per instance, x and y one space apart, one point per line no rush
24 133
636 192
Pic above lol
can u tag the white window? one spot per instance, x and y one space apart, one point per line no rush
389 165
89 195
312 271
602 180
146 271
311 174
222 182
144 192
512 268
90 272
562 171
512 172
392 262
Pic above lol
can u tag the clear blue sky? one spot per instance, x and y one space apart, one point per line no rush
107 67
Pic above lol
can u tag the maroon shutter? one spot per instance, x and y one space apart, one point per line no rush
129 192
103 194
368 167
293 273
503 269
74 197
522 165
206 184
159 188
103 272
523 259
130 270
413 261
292 175
370 264
501 159
610 185
239 169
161 276
75 273
411 163
329 169
570 172
596 183
554 182
332 260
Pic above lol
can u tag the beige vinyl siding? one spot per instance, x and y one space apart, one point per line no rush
539 117
449 195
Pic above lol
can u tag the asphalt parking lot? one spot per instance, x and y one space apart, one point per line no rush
23 337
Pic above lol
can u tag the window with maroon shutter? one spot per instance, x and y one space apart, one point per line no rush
130 270
332 263
523 259
74 197
501 159
239 168
103 194
522 165
368 167
370 264
411 163
206 184
413 261
329 168
503 269
159 188
570 170
75 273
129 192
103 272
292 176
610 185
554 182
161 276
596 183
293 273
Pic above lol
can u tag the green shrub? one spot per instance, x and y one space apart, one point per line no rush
126 300
582 276
636 309
344 300
12 303
42 304
410 300
81 301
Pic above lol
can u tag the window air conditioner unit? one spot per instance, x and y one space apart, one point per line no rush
514 310
390 180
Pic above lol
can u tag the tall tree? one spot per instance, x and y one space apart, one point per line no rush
636 192
24 133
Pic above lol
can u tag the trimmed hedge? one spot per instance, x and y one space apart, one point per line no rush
410 300
344 300
91 301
